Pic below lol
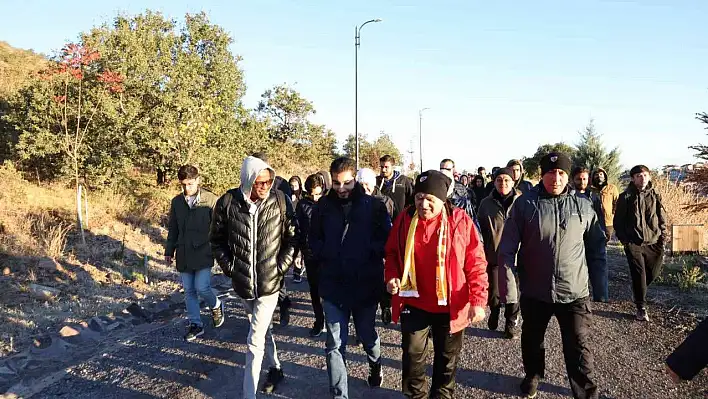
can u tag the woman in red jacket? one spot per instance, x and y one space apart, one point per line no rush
436 272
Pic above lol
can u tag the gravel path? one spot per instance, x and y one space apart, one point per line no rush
628 355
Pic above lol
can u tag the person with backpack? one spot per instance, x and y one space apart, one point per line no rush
640 225
493 213
347 237
435 268
188 237
550 240
253 239
314 186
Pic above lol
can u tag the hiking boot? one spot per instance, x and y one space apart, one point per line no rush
275 377
375 375
386 316
285 312
642 314
510 331
529 387
493 321
217 315
317 330
297 279
193 332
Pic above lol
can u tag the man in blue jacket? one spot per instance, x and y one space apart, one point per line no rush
550 240
348 234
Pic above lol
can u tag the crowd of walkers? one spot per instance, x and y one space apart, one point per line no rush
431 252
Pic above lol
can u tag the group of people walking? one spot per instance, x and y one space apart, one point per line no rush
432 252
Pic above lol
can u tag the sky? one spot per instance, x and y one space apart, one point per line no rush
500 77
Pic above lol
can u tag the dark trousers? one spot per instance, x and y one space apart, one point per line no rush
645 262
575 320
417 327
313 279
511 310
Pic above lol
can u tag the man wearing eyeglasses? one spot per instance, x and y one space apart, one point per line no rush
253 240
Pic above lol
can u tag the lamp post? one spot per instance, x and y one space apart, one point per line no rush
357 43
420 136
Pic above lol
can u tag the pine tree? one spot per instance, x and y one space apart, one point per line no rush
591 153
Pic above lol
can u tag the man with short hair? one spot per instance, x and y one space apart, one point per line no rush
188 236
550 240
608 194
598 277
394 185
640 224
253 238
481 171
347 237
518 169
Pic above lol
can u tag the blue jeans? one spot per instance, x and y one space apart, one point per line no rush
599 281
337 320
197 282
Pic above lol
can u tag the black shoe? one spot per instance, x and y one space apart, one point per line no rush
375 375
510 331
386 315
493 321
275 377
317 330
285 312
642 314
217 314
529 387
297 279
193 332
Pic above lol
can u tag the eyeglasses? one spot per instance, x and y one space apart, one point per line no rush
266 183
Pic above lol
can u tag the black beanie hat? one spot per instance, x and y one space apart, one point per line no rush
504 171
434 183
556 160
638 169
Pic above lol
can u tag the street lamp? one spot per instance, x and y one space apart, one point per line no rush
420 136
357 43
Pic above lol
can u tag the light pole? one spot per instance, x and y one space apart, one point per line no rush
420 136
357 43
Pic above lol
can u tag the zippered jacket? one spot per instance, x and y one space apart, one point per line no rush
640 218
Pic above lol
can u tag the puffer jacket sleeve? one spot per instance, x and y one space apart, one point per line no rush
172 232
475 267
286 255
509 246
595 243
219 235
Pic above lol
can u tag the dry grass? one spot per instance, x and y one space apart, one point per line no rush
39 243
683 204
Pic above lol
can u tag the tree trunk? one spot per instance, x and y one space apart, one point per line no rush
78 202
161 177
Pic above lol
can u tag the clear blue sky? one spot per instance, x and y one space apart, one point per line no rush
500 77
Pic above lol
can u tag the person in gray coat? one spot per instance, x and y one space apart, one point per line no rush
550 240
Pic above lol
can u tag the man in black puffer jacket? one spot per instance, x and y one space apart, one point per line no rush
253 240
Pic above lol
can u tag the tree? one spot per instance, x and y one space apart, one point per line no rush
371 151
286 113
699 176
532 165
591 153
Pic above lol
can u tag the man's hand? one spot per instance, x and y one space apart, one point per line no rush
168 260
674 377
393 286
476 314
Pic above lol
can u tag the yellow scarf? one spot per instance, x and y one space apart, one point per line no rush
409 288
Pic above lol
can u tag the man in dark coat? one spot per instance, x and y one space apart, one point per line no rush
253 238
394 185
550 240
188 236
518 169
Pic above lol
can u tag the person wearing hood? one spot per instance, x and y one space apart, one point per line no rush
493 213
640 225
394 185
459 195
435 268
296 186
550 240
598 277
519 183
253 239
347 237
608 194
479 190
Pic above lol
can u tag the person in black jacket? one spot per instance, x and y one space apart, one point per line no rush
253 239
640 226
489 188
394 185
295 184
691 356
314 186
347 237
480 191
550 240
518 169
